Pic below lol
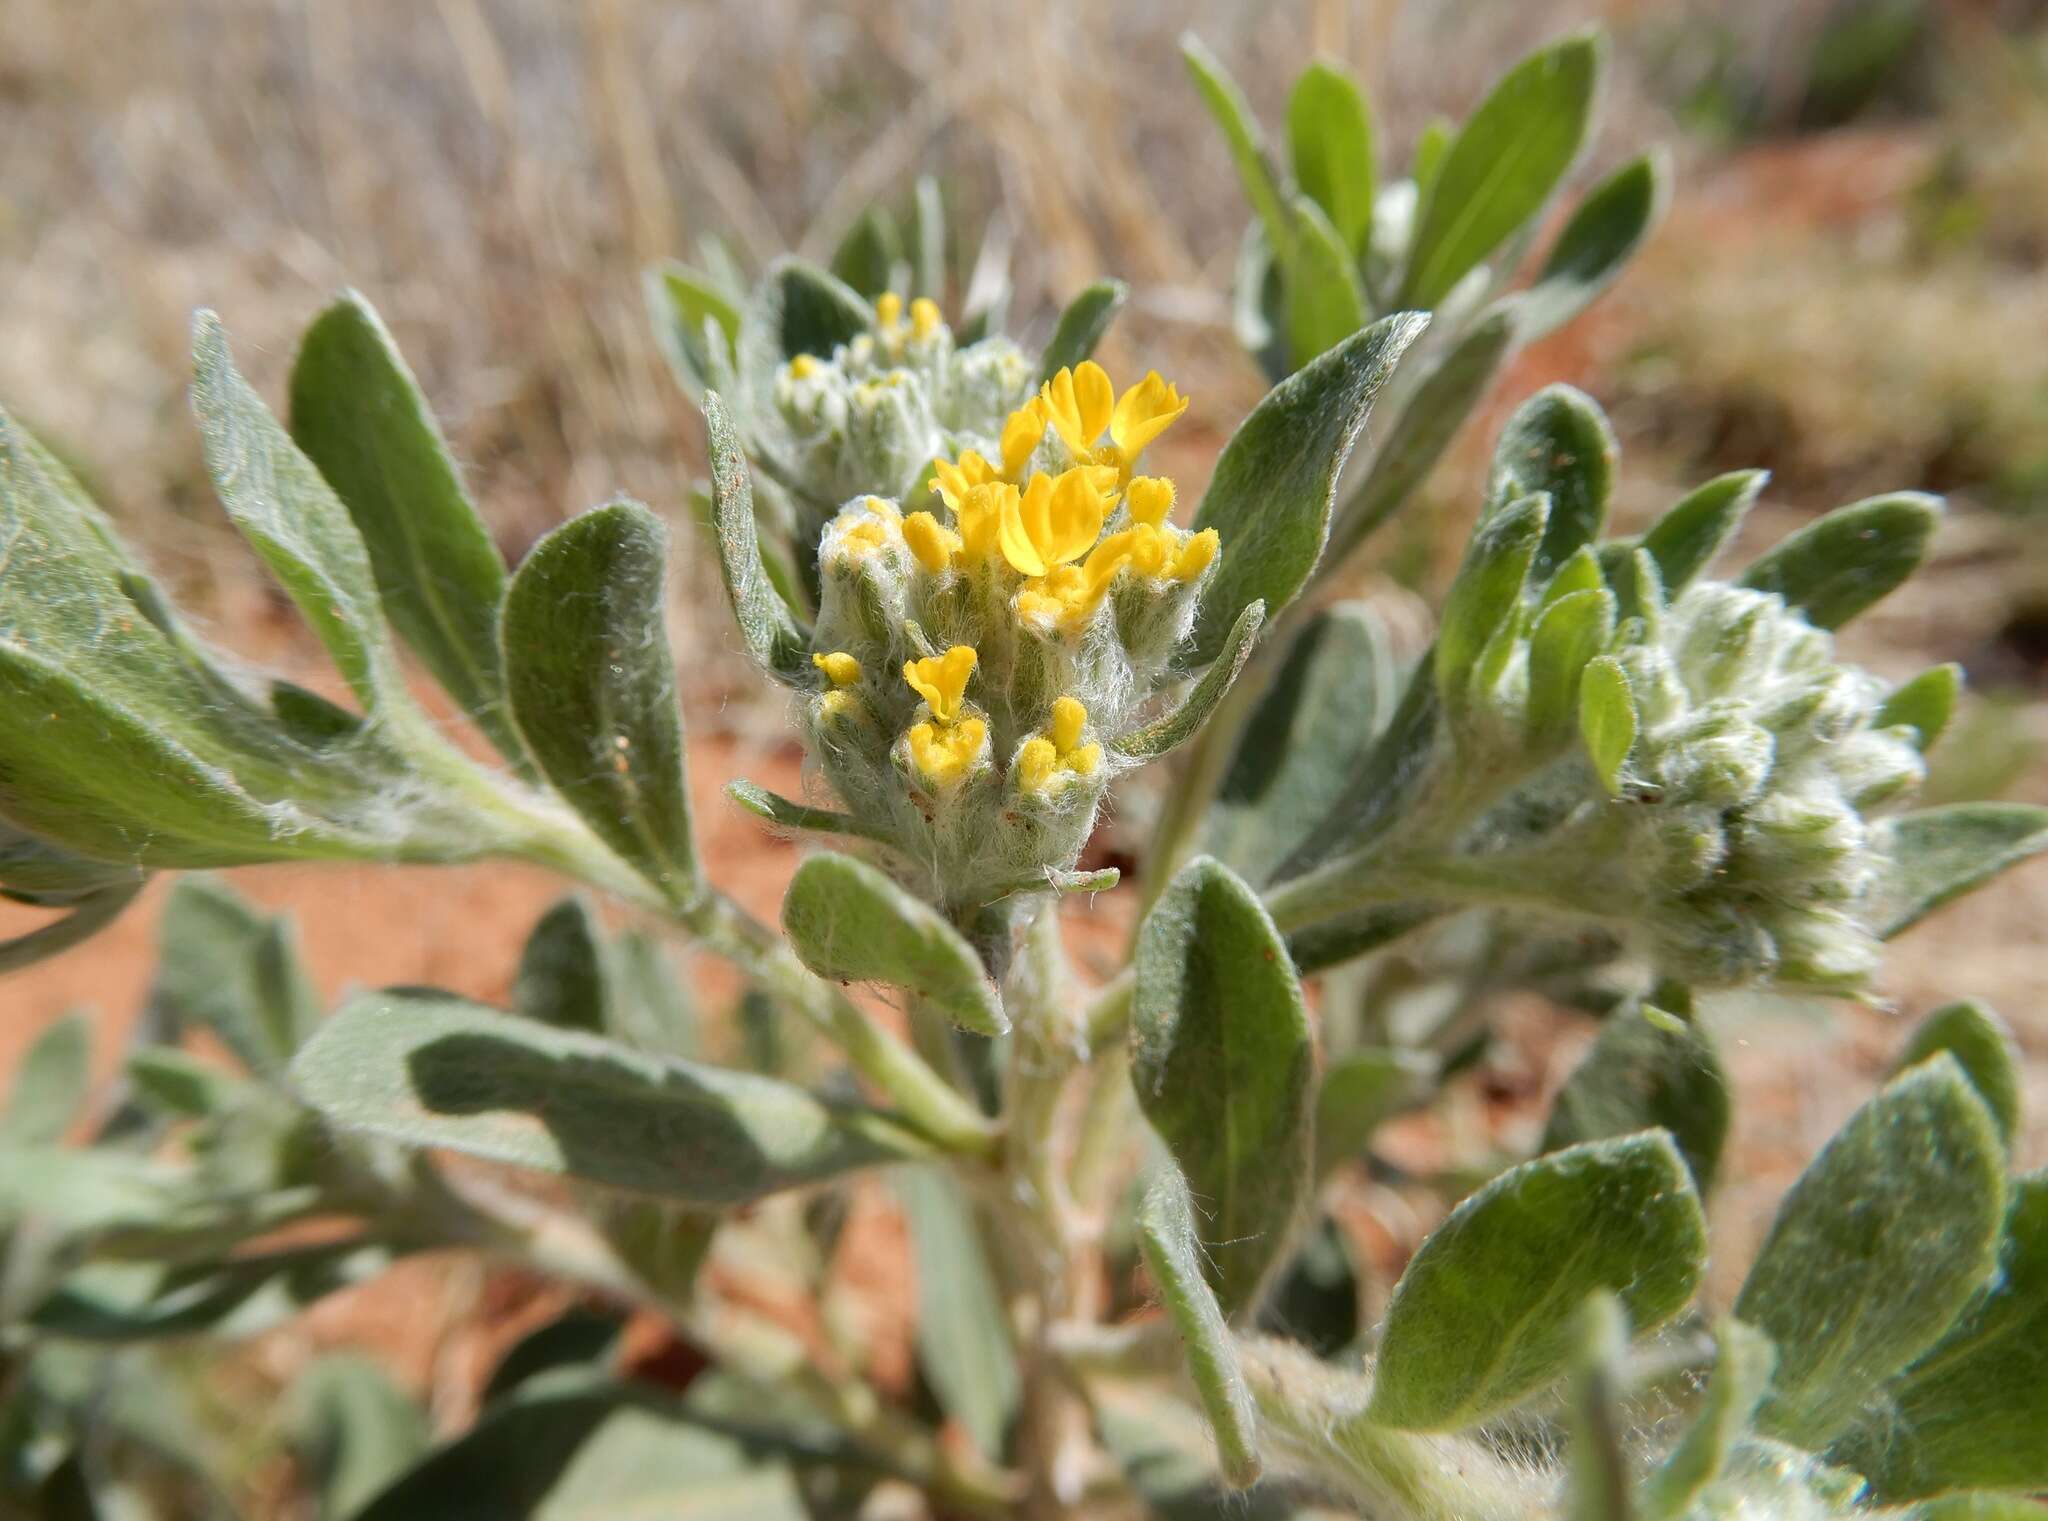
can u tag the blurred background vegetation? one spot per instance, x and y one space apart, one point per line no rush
1851 288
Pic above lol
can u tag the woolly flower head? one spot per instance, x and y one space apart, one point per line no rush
1749 792
983 643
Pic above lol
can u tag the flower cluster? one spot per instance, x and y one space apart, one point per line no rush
1754 769
874 415
979 649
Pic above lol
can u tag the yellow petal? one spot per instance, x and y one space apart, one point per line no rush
1083 761
1096 398
924 317
1037 762
802 367
1196 554
1109 557
1063 411
953 480
1069 717
933 544
840 668
980 517
941 680
888 308
1021 433
1144 412
1150 499
1074 512
1023 530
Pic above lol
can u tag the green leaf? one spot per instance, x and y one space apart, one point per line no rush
1325 302
238 1296
812 311
1925 704
49 1084
1329 137
1222 1060
1607 719
1484 1315
359 416
1569 632
1081 326
593 688
1938 854
1175 728
353 1431
849 922
1641 1075
1432 143
1604 233
770 632
1743 1360
1174 1255
868 255
963 1339
664 1245
1362 1090
1558 443
87 917
1983 1047
1977 1505
787 813
1233 113
1403 459
168 1079
581 1337
214 974
563 979
1700 525
1487 591
428 1069
1970 1413
284 507
1502 166
1304 742
682 302
571 1450
1272 491
1840 564
1879 1244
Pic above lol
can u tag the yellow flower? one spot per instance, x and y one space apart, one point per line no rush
1082 405
883 508
932 543
1150 498
924 317
1021 432
1047 760
1066 596
840 668
1053 521
888 308
941 680
838 704
943 752
1195 555
953 480
862 540
802 367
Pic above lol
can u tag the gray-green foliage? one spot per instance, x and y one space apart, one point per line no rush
1618 778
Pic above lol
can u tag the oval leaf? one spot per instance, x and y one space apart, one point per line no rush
1502 166
1325 303
1938 854
1271 495
358 414
963 1338
1700 524
1329 137
1641 1075
850 922
1558 443
1604 232
1485 1314
1983 1047
1970 1412
1223 1062
593 690
1173 1251
771 634
1840 564
430 1069
1879 1244
1081 326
